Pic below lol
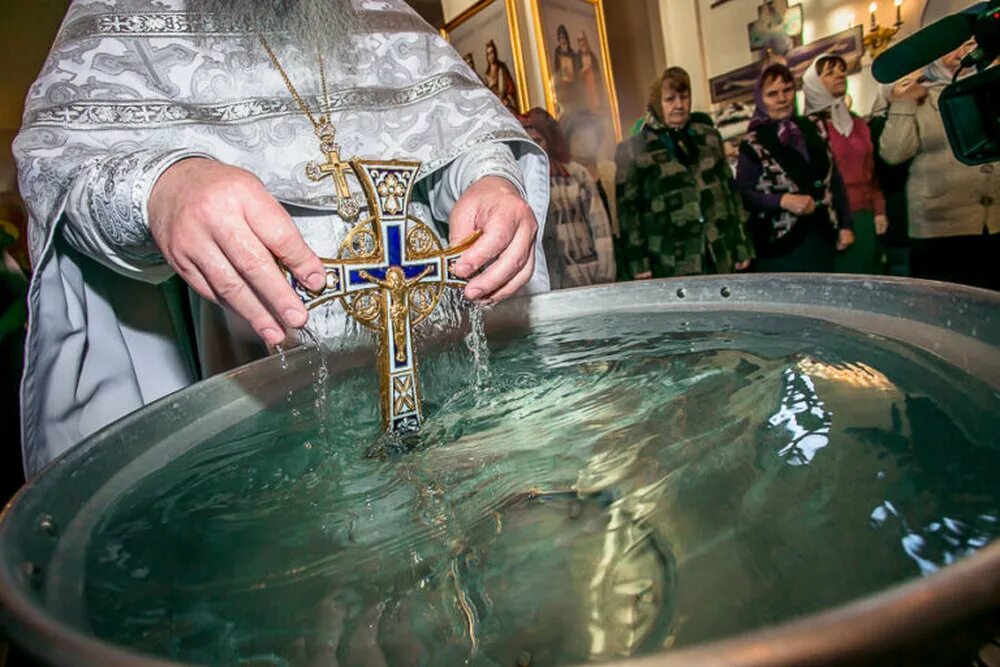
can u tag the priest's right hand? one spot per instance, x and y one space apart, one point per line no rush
221 230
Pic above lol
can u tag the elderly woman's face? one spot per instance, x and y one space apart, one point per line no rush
779 98
676 107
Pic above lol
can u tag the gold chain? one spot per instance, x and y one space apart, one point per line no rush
326 118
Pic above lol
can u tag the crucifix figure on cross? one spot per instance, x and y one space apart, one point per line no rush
389 275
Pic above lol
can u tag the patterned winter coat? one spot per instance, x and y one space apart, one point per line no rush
677 220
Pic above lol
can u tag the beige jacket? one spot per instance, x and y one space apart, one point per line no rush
946 197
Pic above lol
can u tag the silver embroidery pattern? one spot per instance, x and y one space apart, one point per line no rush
150 24
432 165
497 160
117 190
154 113
182 24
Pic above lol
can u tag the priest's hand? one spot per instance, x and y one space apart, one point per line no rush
221 230
493 205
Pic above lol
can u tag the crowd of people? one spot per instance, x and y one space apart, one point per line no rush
821 190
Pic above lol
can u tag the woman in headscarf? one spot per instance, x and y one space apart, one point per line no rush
799 213
678 207
954 209
577 239
825 88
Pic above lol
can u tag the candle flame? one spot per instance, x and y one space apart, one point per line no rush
872 8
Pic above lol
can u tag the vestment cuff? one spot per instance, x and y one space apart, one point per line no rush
494 159
115 192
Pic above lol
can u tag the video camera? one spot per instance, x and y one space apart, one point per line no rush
970 107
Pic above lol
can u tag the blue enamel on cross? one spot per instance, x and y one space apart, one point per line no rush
389 276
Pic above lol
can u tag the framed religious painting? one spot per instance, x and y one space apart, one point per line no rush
576 67
487 37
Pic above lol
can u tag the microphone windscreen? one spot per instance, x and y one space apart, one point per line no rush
923 47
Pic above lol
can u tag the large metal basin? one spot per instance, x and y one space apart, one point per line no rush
922 621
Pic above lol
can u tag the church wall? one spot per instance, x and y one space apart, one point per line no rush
635 41
684 45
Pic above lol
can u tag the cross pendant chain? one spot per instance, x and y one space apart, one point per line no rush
335 168
347 207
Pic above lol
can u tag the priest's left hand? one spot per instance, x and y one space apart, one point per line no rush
845 239
493 205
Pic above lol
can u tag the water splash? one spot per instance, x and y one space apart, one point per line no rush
475 340
282 357
321 389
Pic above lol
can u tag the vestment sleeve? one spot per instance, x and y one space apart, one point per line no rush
106 215
487 159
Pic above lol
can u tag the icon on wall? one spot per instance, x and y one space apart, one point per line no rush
488 38
576 67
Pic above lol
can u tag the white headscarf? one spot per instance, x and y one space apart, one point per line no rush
818 98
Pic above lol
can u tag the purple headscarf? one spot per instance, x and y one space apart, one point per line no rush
788 130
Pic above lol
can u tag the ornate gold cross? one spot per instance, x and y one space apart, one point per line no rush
389 275
336 168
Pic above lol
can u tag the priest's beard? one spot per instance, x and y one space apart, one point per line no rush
323 26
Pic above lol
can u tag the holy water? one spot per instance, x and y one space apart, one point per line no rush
613 486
